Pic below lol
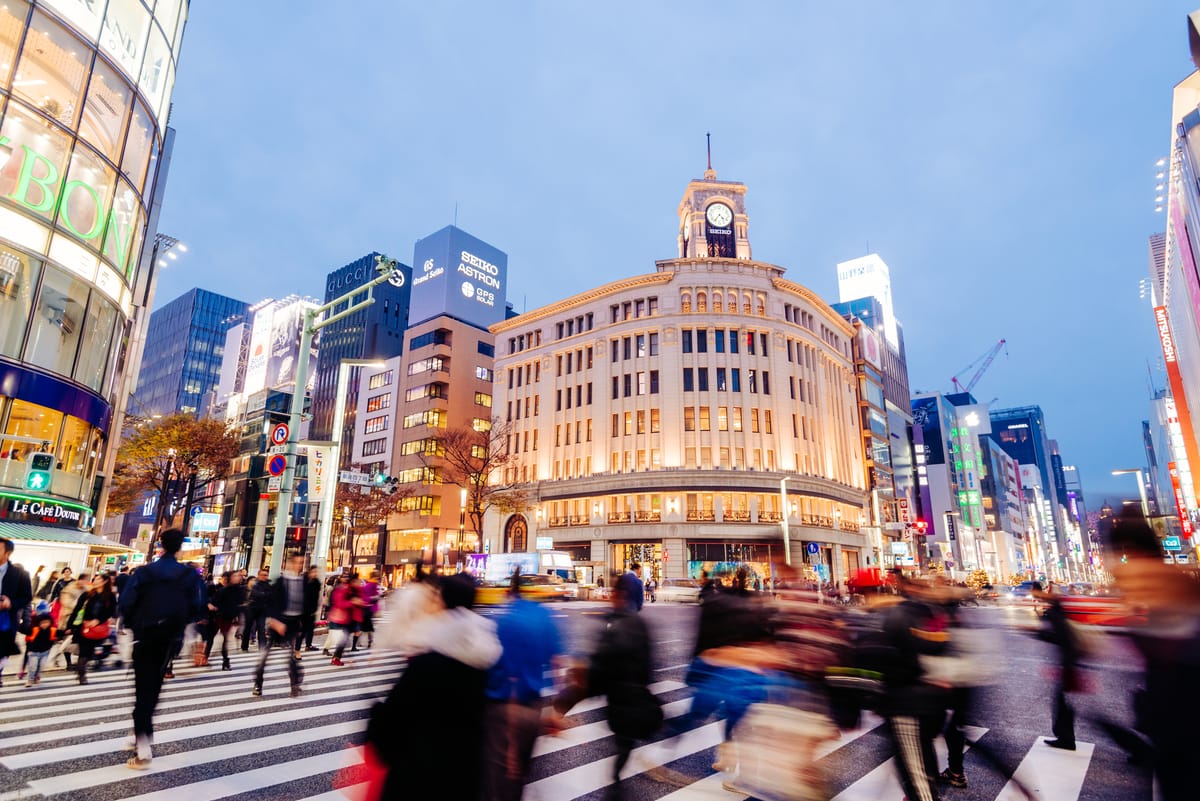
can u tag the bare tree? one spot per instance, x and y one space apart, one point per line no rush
478 461
359 508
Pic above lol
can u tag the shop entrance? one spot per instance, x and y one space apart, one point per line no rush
646 554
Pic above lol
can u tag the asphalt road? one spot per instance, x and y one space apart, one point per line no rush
216 741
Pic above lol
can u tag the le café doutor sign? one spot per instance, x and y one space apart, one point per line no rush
43 511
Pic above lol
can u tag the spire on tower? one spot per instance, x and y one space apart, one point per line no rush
710 174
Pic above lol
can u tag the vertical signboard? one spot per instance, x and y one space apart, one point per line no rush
927 430
458 275
1170 358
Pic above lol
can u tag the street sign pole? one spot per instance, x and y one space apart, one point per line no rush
314 320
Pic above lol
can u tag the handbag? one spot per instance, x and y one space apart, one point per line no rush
96 631
633 711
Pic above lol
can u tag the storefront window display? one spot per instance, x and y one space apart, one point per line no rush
57 321
18 280
30 428
646 554
722 560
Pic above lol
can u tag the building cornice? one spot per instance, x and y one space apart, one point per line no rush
685 480
583 298
796 289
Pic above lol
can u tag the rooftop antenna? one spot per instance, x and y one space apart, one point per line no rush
709 174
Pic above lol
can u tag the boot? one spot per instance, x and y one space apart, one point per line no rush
225 664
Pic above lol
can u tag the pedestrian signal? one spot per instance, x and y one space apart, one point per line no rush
38 476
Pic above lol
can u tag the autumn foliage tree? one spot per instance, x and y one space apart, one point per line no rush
358 508
477 461
177 457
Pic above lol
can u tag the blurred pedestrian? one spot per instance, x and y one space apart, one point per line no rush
312 604
225 605
159 602
429 733
1057 631
631 587
64 579
44 590
344 604
39 641
283 623
1167 707
16 593
369 592
515 687
620 669
258 599
90 621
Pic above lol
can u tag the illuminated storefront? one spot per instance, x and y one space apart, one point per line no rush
85 90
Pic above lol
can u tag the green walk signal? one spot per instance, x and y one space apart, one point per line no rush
38 475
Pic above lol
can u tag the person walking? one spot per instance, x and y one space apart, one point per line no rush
225 605
1057 631
369 593
90 621
16 593
630 584
159 602
620 669
43 592
312 604
344 604
64 580
257 602
515 686
286 605
38 642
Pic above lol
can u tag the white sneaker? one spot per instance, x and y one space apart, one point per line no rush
130 743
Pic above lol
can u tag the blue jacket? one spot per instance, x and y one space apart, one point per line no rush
634 590
165 569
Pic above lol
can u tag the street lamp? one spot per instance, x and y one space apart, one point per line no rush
1141 480
462 519
314 320
787 538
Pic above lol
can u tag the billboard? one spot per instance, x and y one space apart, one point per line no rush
927 429
275 345
1166 340
869 277
458 275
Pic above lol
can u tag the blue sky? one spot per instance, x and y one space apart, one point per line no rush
998 156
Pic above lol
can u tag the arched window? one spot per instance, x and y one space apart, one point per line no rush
702 301
685 301
717 301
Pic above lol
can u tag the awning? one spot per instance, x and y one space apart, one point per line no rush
31 532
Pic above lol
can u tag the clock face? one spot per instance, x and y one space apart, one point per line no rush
719 215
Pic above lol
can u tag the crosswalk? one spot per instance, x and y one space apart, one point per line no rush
214 740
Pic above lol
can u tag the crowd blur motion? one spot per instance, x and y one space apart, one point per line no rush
788 668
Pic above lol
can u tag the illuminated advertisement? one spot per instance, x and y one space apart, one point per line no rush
1175 379
869 277
927 430
457 275
275 345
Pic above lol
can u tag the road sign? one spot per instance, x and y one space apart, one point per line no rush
277 465
812 547
351 477
277 449
1172 544
544 543
279 434
274 484
205 522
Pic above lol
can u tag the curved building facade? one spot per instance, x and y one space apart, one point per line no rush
685 419
85 91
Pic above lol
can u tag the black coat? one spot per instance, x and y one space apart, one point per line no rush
95 606
430 731
229 600
620 669
18 589
312 596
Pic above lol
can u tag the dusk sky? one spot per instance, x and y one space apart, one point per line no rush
999 157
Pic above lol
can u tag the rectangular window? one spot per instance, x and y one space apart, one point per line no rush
705 423
652 303
616 425
589 431
567 430
373 447
654 344
615 349
655 422
641 383
640 342
569 363
589 358
485 349
626 348
702 378
653 382
377 402
687 340
735 380
375 424
722 418
558 400
754 421
762 341
628 423
689 379
795 427
752 380
789 350
616 387
767 421
719 340
578 395
568 394
628 384
750 342
737 418
483 399
557 436
639 308
724 459
733 342
689 418
702 340
481 424
721 385
641 422
483 374
766 382
792 386
689 458
380 380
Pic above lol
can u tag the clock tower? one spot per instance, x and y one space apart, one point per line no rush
712 219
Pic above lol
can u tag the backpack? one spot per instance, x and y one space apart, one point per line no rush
163 606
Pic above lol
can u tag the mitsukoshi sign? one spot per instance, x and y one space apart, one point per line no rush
458 275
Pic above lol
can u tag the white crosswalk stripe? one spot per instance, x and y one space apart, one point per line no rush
214 740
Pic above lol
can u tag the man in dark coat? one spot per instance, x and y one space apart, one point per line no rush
1058 632
630 585
16 593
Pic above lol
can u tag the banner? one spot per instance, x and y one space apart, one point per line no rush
1175 379
322 480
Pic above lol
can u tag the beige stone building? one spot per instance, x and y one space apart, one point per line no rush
686 418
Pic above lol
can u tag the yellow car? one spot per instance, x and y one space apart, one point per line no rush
535 588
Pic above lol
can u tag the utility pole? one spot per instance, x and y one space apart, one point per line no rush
314 320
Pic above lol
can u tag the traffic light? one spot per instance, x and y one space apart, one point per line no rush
386 483
922 527
38 476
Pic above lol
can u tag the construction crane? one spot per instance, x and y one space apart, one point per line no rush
987 358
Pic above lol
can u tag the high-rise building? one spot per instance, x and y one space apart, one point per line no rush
445 375
869 277
702 416
185 345
375 332
86 90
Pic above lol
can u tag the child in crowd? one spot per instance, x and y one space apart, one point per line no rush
37 645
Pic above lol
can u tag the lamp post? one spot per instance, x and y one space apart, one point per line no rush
314 320
787 538
325 515
462 520
1141 480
